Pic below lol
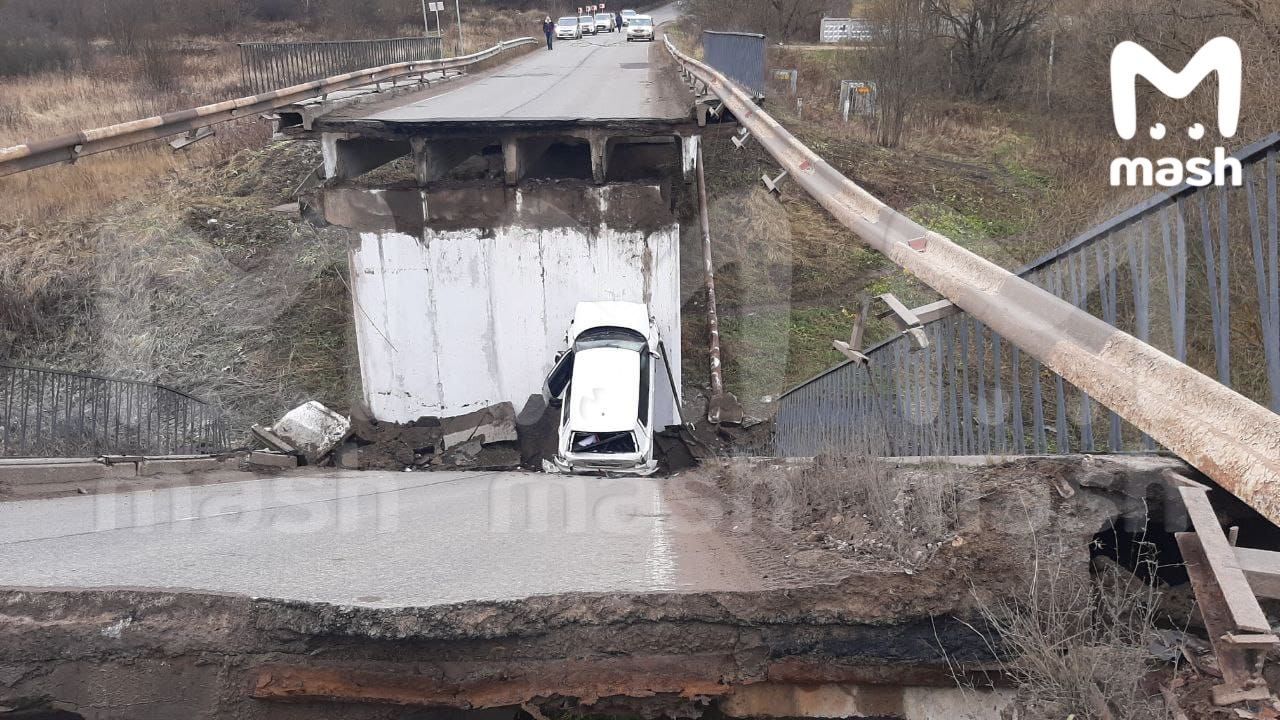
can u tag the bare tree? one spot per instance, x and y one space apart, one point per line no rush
986 35
900 63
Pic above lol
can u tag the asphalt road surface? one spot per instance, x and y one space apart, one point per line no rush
371 538
598 78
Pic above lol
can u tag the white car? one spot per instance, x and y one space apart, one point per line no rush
587 24
605 22
640 27
606 385
626 16
568 28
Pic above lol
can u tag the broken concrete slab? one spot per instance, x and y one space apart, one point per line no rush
313 429
161 466
271 439
267 458
495 423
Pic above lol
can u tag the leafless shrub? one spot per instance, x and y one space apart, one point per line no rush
1077 645
160 67
899 62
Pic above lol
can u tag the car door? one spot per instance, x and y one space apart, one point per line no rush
558 379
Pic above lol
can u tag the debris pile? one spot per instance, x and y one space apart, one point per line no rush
482 440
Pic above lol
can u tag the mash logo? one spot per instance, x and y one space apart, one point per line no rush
1128 62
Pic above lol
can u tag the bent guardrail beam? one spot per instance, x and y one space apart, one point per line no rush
1230 438
69 148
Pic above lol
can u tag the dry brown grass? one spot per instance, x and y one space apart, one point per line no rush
196 283
485 27
113 90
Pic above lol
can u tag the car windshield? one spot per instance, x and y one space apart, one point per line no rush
641 21
603 17
567 21
628 13
585 19
609 337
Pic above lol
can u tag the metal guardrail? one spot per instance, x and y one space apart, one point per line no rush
51 413
268 65
1227 436
1145 271
69 148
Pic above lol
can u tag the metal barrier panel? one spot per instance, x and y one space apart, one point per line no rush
838 30
1178 271
50 413
266 66
741 56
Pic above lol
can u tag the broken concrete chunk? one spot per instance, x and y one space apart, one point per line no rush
497 423
347 457
272 440
269 458
313 429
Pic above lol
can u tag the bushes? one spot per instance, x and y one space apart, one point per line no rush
27 47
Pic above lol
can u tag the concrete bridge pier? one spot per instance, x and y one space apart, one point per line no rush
520 154
434 159
349 155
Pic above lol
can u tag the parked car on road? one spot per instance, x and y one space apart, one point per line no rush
605 22
605 383
587 24
568 28
627 15
640 27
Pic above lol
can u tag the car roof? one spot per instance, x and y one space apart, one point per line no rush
605 390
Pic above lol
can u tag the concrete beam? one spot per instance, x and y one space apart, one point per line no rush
519 154
600 146
348 156
433 159
689 145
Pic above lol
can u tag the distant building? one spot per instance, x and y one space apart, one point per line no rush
841 30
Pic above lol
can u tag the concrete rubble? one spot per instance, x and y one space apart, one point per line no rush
310 430
482 439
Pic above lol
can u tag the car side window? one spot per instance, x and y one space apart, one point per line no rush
643 409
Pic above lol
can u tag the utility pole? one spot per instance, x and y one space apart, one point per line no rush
426 29
457 6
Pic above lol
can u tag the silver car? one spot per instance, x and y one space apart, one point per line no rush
568 28
640 27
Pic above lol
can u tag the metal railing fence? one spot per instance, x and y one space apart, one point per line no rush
266 66
51 413
1194 272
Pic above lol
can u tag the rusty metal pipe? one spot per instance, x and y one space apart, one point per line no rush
713 317
68 148
1230 438
722 407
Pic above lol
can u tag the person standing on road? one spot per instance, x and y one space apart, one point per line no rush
617 20
548 29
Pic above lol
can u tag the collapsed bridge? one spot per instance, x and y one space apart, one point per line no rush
498 164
